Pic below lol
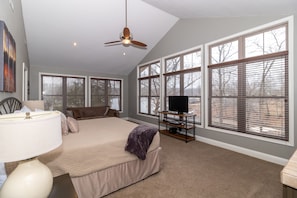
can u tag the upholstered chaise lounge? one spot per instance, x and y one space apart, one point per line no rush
81 113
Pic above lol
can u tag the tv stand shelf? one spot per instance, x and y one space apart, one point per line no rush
177 125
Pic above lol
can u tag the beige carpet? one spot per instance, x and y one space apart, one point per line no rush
198 170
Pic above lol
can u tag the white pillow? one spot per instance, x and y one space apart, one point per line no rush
106 111
2 174
25 109
64 125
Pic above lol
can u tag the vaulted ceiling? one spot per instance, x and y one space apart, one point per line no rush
52 27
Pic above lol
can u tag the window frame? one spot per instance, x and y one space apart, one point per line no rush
182 72
106 78
149 96
252 31
63 76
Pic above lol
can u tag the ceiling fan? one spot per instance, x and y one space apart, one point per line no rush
126 37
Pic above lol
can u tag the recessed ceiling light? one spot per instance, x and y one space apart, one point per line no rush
124 53
74 44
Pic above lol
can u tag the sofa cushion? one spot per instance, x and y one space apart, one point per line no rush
76 113
95 111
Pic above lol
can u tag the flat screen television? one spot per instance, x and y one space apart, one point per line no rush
178 104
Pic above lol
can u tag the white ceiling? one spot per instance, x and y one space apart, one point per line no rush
53 25
224 8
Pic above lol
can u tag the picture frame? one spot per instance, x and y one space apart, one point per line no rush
7 60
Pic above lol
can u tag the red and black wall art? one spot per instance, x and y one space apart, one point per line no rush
7 60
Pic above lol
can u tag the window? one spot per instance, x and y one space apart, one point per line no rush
106 92
248 83
60 92
183 78
149 88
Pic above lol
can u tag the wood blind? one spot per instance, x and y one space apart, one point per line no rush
251 95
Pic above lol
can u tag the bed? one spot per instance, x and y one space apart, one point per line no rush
96 159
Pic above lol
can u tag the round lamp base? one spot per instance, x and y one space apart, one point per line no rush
31 179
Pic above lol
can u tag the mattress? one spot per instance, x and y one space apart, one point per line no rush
99 144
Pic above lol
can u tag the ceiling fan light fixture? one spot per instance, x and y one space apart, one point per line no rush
126 41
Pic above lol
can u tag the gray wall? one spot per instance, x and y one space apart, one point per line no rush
190 33
34 82
184 35
15 24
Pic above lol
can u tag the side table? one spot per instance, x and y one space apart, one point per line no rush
63 187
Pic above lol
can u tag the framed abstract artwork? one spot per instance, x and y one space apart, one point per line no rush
7 60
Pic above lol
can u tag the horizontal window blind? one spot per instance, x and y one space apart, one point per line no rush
251 95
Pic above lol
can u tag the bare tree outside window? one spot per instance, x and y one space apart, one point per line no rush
183 78
106 92
75 92
98 90
60 92
52 92
149 89
270 77
249 94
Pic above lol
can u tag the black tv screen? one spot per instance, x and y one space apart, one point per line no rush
178 103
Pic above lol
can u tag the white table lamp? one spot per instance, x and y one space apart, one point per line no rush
24 139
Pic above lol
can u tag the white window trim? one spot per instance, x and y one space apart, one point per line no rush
203 109
109 78
137 86
63 75
203 89
25 81
290 21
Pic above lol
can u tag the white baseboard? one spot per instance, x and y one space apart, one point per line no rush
245 151
238 149
141 122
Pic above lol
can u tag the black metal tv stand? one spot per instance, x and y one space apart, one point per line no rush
177 125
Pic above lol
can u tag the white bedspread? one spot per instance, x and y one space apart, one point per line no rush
99 144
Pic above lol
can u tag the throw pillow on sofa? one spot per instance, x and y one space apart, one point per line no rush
73 125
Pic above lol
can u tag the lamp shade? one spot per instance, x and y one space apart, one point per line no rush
22 138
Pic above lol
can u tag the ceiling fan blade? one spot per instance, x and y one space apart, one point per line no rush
126 32
138 43
112 42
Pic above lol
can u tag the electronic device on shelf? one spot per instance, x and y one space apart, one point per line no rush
178 104
171 121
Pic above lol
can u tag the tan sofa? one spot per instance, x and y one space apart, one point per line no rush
81 113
